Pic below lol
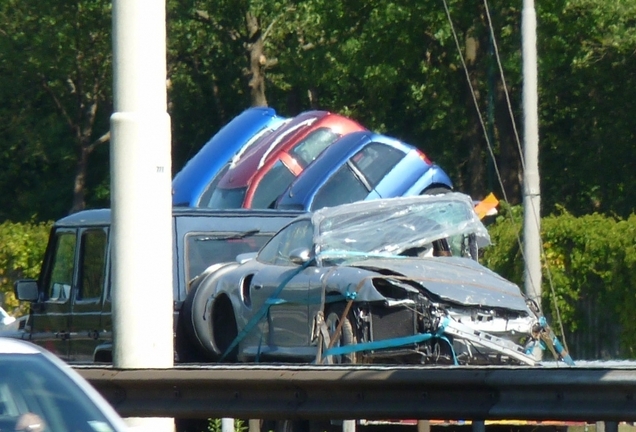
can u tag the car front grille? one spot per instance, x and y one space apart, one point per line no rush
389 323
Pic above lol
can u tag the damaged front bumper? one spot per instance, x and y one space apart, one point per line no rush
426 333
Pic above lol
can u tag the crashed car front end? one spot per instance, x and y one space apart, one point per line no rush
435 312
426 309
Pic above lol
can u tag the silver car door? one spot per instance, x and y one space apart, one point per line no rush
282 286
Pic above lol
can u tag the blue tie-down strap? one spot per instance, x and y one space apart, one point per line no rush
558 347
394 342
386 343
272 300
349 294
562 352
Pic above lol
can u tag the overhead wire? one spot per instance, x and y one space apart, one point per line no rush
523 165
490 148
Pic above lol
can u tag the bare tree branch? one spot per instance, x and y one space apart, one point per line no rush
58 104
101 140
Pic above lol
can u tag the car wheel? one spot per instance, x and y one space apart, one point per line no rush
436 190
347 334
188 347
224 328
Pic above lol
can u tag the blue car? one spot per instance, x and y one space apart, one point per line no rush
190 184
363 166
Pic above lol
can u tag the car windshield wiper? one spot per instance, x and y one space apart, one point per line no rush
230 236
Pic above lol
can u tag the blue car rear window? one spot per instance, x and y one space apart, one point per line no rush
376 160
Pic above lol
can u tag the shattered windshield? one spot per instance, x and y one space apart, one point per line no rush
391 226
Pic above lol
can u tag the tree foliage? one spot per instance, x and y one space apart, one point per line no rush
397 66
393 65
589 277
55 59
21 250
588 95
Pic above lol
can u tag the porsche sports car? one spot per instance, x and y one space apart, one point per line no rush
387 281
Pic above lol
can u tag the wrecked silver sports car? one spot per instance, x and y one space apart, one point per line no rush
384 281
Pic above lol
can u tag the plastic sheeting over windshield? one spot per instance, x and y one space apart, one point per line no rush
393 225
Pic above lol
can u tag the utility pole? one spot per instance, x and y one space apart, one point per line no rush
531 186
141 277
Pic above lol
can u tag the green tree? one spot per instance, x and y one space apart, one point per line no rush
21 250
57 58
588 94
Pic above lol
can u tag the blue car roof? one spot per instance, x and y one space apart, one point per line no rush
336 155
190 182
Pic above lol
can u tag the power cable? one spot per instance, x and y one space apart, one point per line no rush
489 144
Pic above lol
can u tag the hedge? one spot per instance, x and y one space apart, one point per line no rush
589 277
22 248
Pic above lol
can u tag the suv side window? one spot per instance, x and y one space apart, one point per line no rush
58 287
92 264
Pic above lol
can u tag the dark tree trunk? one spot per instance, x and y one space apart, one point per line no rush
474 134
509 161
257 61
79 185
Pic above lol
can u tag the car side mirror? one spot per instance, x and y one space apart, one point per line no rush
26 290
300 256
245 257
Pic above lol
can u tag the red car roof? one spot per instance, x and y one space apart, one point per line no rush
265 153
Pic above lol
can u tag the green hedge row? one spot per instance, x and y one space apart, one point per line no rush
22 247
589 277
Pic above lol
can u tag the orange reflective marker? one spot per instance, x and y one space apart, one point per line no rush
487 206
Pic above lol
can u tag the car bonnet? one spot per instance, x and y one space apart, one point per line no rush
454 279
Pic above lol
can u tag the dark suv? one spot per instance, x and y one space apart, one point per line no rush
70 302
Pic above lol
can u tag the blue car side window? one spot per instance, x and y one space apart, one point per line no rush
341 188
368 162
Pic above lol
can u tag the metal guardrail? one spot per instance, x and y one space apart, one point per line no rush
370 392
